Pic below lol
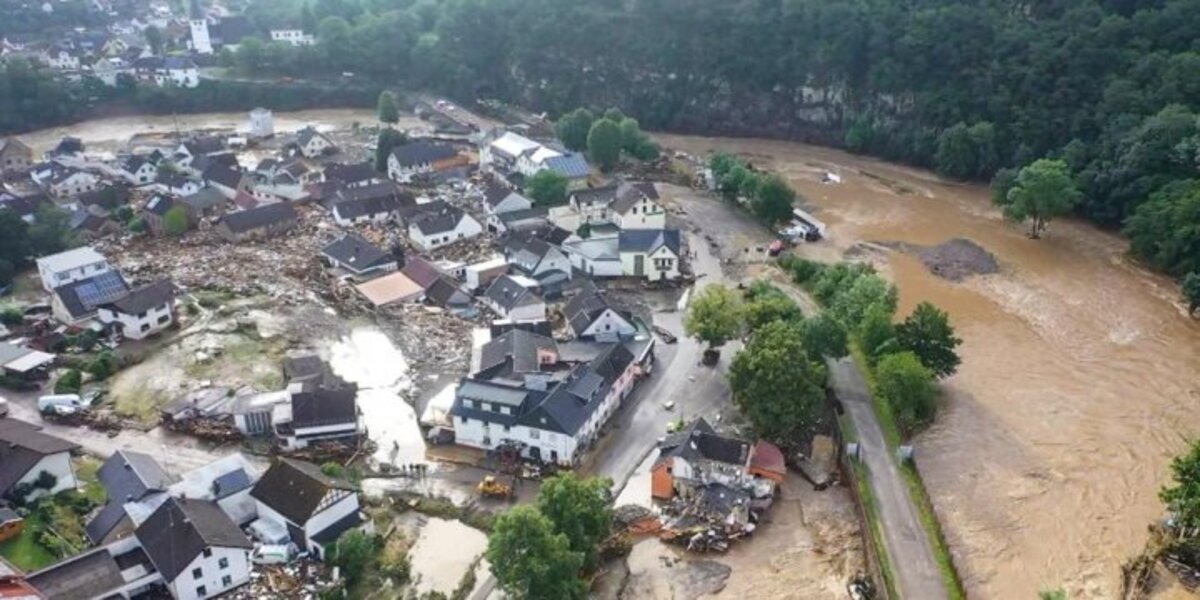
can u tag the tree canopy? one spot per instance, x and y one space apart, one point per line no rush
175 222
573 128
388 139
1183 495
1042 191
1191 291
580 509
908 387
532 562
927 333
604 143
547 188
386 108
714 316
775 384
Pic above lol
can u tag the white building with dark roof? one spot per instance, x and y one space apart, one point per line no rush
433 227
143 312
298 503
515 298
26 453
359 258
71 265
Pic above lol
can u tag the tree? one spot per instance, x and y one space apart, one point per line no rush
928 334
532 562
631 134
1043 190
876 335
769 308
1165 230
353 552
604 143
714 316
50 232
386 108
824 337
102 366
967 152
573 128
851 304
775 384
154 38
772 202
1183 498
908 387
1191 291
580 509
69 383
175 222
388 139
547 188
614 114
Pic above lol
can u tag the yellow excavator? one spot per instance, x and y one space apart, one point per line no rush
494 488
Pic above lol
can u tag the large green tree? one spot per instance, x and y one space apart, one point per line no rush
386 108
532 562
604 143
1183 495
1165 230
50 232
908 387
928 334
580 509
824 337
547 188
388 139
772 201
175 222
775 384
714 315
1042 191
573 128
1191 291
353 552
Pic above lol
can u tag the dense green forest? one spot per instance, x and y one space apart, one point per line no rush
971 88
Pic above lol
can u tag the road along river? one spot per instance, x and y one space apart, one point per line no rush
1079 380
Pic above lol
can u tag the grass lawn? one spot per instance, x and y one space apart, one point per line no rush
85 471
24 551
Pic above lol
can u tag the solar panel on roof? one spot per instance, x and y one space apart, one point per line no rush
101 289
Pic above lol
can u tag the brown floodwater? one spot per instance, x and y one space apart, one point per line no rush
1079 379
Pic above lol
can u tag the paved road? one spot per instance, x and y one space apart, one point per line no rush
908 544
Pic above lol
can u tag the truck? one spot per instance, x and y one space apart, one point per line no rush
60 403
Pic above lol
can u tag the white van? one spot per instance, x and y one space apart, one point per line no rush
3 407
58 402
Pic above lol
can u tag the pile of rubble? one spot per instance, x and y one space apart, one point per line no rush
303 579
432 339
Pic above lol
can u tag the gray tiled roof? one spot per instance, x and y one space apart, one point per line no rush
648 240
180 529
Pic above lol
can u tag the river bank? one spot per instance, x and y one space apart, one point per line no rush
1078 382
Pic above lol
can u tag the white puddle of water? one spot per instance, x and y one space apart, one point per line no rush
637 487
368 358
443 553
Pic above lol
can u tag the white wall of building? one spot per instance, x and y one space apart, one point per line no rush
466 229
661 264
215 579
52 279
58 465
645 214
137 327
610 324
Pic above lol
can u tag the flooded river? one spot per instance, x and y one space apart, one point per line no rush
1079 380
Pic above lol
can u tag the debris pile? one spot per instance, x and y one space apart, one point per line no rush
301 579
206 428
955 259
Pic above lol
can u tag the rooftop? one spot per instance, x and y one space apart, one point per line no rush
71 259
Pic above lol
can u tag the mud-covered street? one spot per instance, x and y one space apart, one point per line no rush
1078 383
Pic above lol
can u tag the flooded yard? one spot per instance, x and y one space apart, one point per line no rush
443 553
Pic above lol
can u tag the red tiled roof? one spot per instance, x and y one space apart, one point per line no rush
768 457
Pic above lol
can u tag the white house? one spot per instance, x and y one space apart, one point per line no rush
313 143
515 298
502 153
262 123
81 300
138 170
201 41
598 257
553 421
62 59
26 453
649 253
432 229
64 182
418 158
358 257
637 207
179 71
593 204
536 257
592 317
367 204
196 548
142 312
295 37
72 265
499 200
108 69
319 415
309 508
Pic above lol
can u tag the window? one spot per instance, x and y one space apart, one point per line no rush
197 573
465 420
226 581
145 327
223 563
507 429
534 434
201 591
163 319
208 553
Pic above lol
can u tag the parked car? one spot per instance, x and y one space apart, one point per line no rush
3 407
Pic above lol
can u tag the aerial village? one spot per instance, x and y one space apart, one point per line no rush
264 338
522 332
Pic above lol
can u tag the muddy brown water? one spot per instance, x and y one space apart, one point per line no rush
1079 380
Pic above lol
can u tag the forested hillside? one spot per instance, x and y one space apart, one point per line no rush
968 87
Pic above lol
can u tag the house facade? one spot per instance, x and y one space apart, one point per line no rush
26 453
313 143
15 156
420 157
70 266
650 254
143 312
515 299
429 230
637 207
257 223
312 509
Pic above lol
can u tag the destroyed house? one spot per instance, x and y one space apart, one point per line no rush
358 257
593 204
318 415
298 503
352 175
551 420
127 477
696 456
261 222
637 207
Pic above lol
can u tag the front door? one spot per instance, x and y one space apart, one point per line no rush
639 265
